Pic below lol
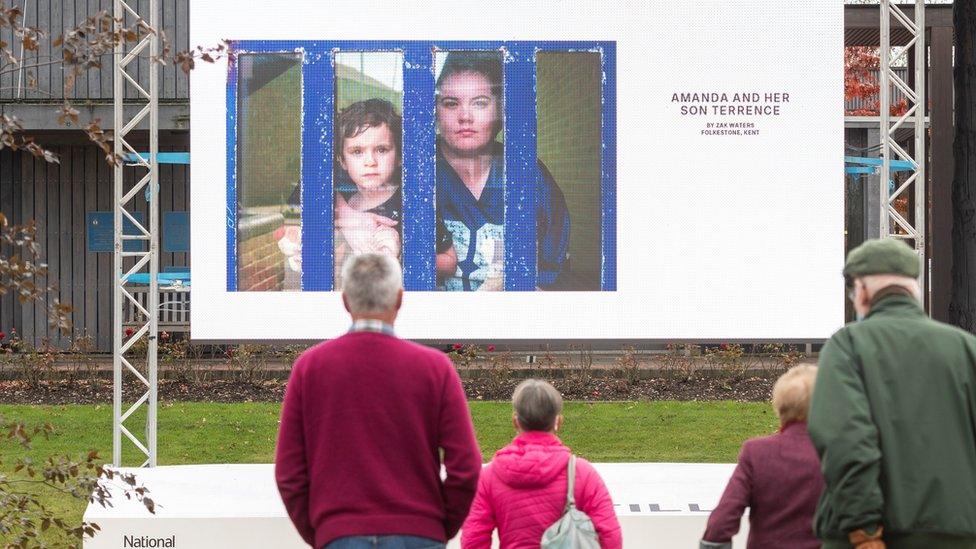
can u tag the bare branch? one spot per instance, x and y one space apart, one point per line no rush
32 66
22 272
82 49
35 90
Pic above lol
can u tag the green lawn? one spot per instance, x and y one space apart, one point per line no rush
245 433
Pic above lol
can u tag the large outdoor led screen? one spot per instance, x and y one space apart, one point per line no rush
540 170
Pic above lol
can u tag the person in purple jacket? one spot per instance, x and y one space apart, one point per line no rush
778 477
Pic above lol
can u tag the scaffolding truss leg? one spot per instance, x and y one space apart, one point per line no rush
144 320
895 223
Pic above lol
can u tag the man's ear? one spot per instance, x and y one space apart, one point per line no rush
399 299
345 303
865 298
515 422
559 422
342 162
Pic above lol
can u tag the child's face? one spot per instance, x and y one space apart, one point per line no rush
370 157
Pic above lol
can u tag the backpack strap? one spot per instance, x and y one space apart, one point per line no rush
571 483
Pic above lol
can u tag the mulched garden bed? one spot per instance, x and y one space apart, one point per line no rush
574 386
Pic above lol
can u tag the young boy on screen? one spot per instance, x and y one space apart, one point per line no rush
369 197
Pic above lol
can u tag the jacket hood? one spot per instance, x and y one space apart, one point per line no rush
532 460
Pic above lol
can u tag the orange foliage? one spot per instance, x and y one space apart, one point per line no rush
861 65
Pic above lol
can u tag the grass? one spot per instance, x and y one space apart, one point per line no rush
245 432
663 431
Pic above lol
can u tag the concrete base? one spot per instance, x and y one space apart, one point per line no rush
208 506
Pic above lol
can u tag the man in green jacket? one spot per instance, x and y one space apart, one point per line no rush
893 415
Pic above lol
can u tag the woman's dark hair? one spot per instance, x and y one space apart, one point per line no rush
486 63
354 119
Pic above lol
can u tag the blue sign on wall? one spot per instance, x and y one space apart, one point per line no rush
176 231
101 233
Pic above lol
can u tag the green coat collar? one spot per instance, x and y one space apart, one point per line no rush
896 304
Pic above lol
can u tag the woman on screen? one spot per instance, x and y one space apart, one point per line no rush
471 179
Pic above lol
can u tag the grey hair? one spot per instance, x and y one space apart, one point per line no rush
371 283
792 392
537 404
875 282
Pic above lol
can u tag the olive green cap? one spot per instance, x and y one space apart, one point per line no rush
882 256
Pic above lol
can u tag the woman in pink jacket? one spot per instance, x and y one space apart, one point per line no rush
523 490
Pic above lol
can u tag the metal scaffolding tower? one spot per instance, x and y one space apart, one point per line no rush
893 223
146 105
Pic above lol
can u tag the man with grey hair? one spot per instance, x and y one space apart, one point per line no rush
367 422
893 415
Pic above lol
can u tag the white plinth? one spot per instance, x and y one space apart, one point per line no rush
659 505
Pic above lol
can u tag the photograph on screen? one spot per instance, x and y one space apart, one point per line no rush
471 197
269 147
470 168
368 167
569 133
539 227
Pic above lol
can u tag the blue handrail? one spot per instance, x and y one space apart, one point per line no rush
863 165
163 157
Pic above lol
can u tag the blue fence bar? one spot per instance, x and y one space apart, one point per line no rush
419 142
609 169
521 168
232 173
318 100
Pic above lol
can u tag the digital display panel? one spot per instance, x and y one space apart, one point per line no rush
540 170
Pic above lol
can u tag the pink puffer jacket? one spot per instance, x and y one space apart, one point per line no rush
523 491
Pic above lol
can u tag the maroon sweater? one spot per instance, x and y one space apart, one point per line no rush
778 478
363 420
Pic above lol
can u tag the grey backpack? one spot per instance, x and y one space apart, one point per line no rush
573 530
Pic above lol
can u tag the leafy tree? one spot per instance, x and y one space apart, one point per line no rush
862 65
24 517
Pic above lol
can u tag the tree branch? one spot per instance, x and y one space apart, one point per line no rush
34 66
37 481
15 64
36 90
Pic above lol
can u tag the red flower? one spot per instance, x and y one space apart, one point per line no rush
129 332
724 346
457 346
230 352
2 335
164 336
491 348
